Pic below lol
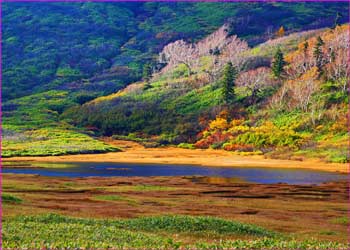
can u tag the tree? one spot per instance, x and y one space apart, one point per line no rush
233 52
255 81
147 72
278 63
147 75
180 52
301 90
228 83
280 32
318 54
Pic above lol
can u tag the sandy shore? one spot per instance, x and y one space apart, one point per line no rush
136 153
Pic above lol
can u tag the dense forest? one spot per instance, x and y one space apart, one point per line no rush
251 78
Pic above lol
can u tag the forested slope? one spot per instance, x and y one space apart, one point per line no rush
63 61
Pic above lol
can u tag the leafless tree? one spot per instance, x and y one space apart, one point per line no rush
255 80
180 52
218 46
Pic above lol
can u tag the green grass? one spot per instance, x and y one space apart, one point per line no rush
186 146
7 198
32 127
161 232
190 224
51 141
196 101
270 243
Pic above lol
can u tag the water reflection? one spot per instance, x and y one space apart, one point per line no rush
217 175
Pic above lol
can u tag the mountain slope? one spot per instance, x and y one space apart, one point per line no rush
58 57
47 45
275 115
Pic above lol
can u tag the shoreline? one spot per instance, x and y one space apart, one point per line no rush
136 153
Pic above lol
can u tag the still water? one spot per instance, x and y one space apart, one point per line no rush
257 175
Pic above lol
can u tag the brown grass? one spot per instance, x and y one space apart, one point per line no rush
303 210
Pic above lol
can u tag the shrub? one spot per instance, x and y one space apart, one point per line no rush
186 145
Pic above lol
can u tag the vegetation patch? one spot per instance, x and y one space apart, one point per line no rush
342 220
8 198
55 231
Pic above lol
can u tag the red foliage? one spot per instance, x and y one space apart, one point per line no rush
214 138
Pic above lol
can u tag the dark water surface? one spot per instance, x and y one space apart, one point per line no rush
257 175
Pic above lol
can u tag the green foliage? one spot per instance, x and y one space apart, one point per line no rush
60 232
269 135
147 72
8 198
278 63
85 39
272 243
342 220
56 231
186 145
228 83
189 224
51 141
49 106
69 73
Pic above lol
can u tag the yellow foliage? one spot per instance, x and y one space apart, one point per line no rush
340 126
319 127
311 74
239 129
326 36
236 122
219 124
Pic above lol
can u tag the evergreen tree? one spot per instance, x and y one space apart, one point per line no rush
228 83
146 75
278 63
318 54
147 72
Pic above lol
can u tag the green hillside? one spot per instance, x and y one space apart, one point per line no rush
303 110
63 61
48 45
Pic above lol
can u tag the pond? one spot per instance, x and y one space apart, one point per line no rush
250 174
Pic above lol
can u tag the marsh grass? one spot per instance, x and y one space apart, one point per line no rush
161 232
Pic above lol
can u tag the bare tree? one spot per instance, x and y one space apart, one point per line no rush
255 80
214 43
219 47
303 88
279 99
233 52
180 52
